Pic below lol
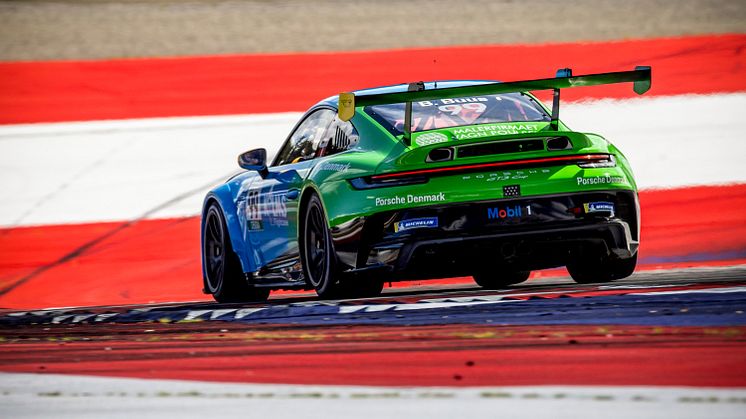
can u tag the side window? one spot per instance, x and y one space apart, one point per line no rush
340 136
305 140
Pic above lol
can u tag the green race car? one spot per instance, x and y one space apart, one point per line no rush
425 180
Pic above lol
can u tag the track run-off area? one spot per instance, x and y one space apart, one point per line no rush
107 163
669 340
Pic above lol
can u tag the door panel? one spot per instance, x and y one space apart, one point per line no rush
272 214
271 205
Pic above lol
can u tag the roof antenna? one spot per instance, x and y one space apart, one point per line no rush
407 137
436 80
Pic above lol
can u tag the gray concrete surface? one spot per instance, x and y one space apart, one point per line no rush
92 29
48 395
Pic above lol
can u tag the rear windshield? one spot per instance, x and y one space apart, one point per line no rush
444 113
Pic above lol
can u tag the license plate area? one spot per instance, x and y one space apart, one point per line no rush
483 216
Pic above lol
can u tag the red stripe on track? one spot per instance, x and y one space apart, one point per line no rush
159 260
149 261
706 219
453 355
220 85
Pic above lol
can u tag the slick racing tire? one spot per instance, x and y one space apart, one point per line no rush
497 280
605 270
224 278
318 257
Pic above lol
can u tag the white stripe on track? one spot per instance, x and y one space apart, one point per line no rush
672 141
120 170
158 168
60 396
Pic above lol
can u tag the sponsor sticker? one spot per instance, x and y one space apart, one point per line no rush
274 209
334 167
427 222
599 180
266 208
256 225
430 139
410 199
601 206
489 130
514 211
252 207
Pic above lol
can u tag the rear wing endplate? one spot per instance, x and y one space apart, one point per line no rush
640 77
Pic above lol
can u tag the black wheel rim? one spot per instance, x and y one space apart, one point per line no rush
317 249
214 250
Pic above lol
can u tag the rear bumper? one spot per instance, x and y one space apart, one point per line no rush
525 233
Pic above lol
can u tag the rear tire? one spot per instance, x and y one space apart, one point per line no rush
318 257
320 265
497 280
224 277
601 271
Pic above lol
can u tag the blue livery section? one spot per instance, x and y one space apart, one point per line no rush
225 196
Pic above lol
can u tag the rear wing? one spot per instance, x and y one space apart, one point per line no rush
640 77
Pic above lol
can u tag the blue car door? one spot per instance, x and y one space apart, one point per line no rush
272 202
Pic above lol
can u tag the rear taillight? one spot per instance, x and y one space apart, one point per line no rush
546 161
370 183
609 161
423 175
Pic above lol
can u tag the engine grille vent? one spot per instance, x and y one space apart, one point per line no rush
499 147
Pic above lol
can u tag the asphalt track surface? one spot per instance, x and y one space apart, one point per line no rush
664 328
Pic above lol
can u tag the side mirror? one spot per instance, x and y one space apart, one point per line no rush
254 160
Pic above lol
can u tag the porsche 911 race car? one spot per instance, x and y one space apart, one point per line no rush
425 180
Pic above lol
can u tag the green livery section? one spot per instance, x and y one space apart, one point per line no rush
345 202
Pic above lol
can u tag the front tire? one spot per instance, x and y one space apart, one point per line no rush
224 277
498 280
601 271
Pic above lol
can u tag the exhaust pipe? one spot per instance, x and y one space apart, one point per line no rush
507 250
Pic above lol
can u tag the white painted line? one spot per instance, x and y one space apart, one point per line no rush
671 141
158 168
50 395
120 170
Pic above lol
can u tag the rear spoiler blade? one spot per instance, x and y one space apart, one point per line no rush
640 76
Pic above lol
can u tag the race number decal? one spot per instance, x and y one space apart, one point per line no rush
456 109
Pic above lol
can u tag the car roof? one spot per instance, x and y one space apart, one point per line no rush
397 88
